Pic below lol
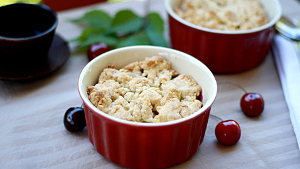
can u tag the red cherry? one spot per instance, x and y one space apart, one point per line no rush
97 49
252 104
228 132
74 119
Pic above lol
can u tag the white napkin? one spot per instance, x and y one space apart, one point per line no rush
288 66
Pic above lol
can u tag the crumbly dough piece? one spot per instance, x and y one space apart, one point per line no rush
230 15
145 91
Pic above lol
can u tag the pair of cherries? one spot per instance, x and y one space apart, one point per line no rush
227 132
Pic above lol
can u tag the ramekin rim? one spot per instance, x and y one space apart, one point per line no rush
131 123
266 26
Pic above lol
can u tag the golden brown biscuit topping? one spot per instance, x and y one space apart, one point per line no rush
230 15
145 91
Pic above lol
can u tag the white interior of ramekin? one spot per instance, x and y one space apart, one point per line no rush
272 8
181 62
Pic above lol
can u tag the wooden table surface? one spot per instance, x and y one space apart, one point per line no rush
33 135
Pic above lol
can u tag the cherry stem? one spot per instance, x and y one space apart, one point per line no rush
233 85
216 117
81 105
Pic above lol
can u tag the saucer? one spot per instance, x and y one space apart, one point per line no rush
58 55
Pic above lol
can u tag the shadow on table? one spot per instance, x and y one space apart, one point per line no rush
18 88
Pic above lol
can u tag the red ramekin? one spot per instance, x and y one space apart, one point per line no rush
147 145
224 51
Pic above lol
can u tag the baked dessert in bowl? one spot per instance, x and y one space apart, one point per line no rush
141 144
223 34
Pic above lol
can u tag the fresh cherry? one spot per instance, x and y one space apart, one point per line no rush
228 132
252 104
74 119
97 49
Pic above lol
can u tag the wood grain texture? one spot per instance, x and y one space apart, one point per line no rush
33 136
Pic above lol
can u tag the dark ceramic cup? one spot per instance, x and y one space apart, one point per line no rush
26 33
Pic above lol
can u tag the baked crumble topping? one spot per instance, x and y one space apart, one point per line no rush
230 15
145 91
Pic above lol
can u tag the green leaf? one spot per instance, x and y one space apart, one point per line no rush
96 18
126 21
135 39
155 30
156 39
124 29
155 23
88 32
95 38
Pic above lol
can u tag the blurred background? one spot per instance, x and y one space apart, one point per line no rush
59 5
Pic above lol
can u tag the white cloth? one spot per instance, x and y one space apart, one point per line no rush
288 66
